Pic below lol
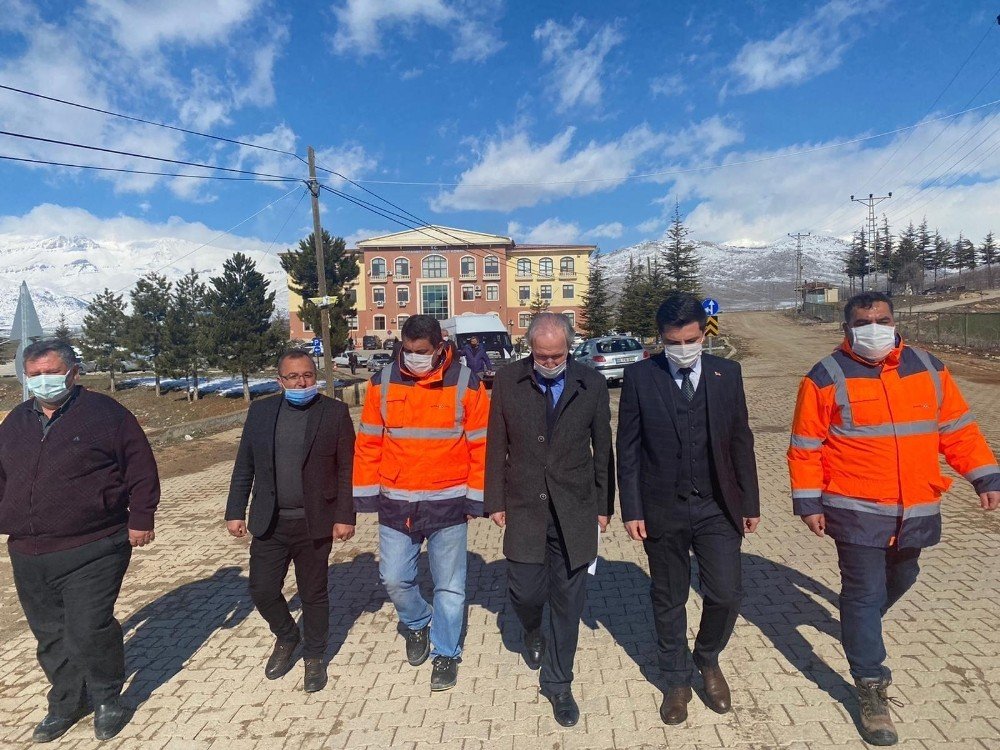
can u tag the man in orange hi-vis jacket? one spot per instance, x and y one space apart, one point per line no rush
869 424
419 462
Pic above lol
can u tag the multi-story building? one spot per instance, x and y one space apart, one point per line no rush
444 272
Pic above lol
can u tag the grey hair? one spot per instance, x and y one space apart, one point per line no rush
549 321
41 348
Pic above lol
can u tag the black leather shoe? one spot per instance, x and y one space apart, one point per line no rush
564 709
534 648
719 699
674 709
109 719
444 676
418 645
53 727
315 679
280 660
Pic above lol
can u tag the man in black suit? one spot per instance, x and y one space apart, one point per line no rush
549 484
297 454
688 480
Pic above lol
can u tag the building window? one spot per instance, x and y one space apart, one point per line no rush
401 267
378 295
379 323
567 265
492 292
524 266
434 267
523 293
400 320
545 266
434 300
468 293
567 291
491 267
379 268
402 295
523 320
352 322
468 267
545 291
571 316
306 327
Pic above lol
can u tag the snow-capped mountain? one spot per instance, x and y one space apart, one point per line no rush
744 278
63 273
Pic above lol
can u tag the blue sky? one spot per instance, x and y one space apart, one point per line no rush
518 115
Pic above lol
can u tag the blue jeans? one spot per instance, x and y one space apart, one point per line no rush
872 580
446 553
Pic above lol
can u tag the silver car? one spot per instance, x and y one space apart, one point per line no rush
609 355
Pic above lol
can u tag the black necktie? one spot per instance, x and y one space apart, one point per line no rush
550 404
687 387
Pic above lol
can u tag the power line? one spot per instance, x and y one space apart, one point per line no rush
287 219
145 171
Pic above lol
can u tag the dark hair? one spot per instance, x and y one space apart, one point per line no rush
293 354
865 301
679 309
39 349
422 327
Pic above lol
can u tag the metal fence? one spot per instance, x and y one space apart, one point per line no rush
827 312
977 330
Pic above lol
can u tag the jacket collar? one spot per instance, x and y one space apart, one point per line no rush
891 362
434 376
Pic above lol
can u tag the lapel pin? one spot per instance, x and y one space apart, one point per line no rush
719 374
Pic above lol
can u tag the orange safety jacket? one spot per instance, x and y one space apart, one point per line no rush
865 444
420 453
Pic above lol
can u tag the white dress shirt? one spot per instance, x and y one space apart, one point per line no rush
679 378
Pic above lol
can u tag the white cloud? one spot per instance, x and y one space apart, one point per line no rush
500 181
551 231
361 24
358 235
652 226
667 85
577 70
701 139
612 230
142 24
813 45
411 73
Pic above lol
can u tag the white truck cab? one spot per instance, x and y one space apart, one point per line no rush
490 331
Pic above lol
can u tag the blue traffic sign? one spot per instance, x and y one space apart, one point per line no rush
711 306
317 346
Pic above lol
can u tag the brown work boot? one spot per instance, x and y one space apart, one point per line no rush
674 709
876 724
719 699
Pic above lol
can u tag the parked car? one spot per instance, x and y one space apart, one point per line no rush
370 342
609 355
378 360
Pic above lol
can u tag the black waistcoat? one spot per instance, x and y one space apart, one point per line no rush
695 471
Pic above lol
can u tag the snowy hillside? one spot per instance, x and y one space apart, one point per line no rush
745 278
63 273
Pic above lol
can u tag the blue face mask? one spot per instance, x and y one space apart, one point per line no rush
48 388
301 396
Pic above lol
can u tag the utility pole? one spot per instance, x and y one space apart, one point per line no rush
871 201
324 311
798 265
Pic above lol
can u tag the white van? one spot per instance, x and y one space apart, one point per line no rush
490 330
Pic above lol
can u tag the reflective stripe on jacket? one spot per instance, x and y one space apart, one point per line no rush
865 444
421 447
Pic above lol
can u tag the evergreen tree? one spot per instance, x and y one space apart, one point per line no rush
857 261
678 259
241 338
62 332
883 256
538 305
939 256
925 244
104 329
988 255
341 272
150 303
596 303
906 268
632 300
654 289
963 255
186 332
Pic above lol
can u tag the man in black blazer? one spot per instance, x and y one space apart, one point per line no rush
297 454
688 480
549 484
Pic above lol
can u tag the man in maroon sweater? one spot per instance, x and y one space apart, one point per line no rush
78 490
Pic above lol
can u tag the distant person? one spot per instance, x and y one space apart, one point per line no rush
476 358
296 454
352 361
78 490
870 421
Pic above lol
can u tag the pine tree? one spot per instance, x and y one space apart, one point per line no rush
654 289
631 300
906 267
62 332
988 255
925 245
678 259
341 272
939 255
883 255
597 311
857 261
538 305
963 255
104 329
150 303
240 307
186 332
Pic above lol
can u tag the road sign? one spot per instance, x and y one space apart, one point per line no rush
321 302
712 326
711 306
317 346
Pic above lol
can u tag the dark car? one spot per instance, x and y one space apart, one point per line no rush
370 342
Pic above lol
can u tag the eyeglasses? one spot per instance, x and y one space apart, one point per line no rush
296 377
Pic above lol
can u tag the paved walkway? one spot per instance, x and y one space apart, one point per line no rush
195 647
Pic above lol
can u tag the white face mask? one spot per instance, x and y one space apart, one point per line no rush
683 355
550 372
873 341
418 364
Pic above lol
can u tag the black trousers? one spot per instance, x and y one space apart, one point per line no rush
698 524
270 556
531 585
69 598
